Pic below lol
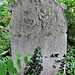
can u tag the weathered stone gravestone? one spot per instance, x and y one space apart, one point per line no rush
39 23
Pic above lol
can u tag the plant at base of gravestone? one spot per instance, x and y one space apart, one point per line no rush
18 54
62 61
7 66
2 69
58 73
11 69
34 67
62 65
26 60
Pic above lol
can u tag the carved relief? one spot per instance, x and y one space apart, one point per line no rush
37 18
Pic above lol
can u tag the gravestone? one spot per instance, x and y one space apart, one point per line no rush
39 23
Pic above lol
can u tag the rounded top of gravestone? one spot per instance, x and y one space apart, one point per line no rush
22 2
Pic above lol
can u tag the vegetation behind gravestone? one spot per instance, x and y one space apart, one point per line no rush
70 15
4 28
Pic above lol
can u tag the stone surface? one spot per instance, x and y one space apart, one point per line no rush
39 23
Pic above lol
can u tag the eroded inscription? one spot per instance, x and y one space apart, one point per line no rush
32 1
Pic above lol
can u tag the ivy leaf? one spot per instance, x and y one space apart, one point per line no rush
18 54
15 71
54 66
26 60
10 66
30 54
64 55
38 48
19 63
57 61
52 55
2 69
56 55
